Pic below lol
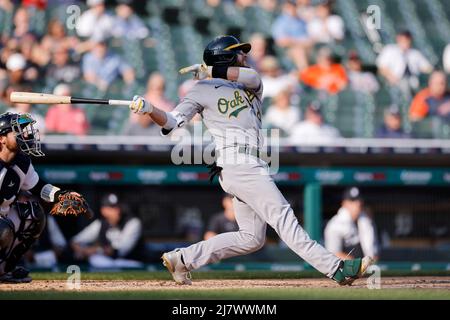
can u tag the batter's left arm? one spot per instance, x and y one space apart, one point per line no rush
247 76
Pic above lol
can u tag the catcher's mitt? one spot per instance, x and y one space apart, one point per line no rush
69 202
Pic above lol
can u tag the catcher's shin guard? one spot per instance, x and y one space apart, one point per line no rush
6 240
32 221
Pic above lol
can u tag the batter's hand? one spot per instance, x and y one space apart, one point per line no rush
200 71
140 106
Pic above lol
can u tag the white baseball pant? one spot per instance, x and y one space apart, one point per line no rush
258 202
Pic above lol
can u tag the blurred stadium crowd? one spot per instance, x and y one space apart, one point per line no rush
326 72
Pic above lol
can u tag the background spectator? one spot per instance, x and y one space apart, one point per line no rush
66 118
313 128
112 241
127 24
101 67
36 57
22 24
259 51
274 79
155 94
56 37
140 125
289 32
400 63
20 72
392 126
61 67
305 10
360 80
325 27
351 232
433 100
326 74
223 221
95 23
281 114
446 58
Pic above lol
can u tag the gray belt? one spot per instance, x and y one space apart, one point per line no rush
244 149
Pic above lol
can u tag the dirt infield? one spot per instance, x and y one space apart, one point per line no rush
442 283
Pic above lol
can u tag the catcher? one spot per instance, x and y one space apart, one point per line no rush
21 223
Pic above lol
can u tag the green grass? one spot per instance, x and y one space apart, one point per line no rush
164 275
187 293
241 294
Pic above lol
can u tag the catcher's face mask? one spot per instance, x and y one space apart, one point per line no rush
26 135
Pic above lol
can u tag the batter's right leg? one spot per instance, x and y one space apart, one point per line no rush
250 237
255 186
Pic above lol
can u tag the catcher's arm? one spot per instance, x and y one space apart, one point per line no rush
65 202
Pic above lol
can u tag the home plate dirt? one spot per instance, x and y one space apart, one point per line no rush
148 285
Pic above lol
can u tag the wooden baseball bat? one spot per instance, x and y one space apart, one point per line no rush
44 98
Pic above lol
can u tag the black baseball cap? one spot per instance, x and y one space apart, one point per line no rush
352 194
110 200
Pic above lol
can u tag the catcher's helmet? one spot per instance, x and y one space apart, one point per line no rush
26 135
222 51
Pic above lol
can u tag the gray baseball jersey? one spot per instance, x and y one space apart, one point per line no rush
232 114
230 111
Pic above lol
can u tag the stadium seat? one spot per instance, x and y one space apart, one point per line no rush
6 24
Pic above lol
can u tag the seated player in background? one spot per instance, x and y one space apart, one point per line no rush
112 241
351 232
223 221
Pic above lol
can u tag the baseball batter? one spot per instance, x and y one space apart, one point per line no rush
229 99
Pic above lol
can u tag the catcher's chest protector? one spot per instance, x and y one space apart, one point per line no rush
13 177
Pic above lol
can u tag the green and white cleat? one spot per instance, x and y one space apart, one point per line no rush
172 261
350 270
